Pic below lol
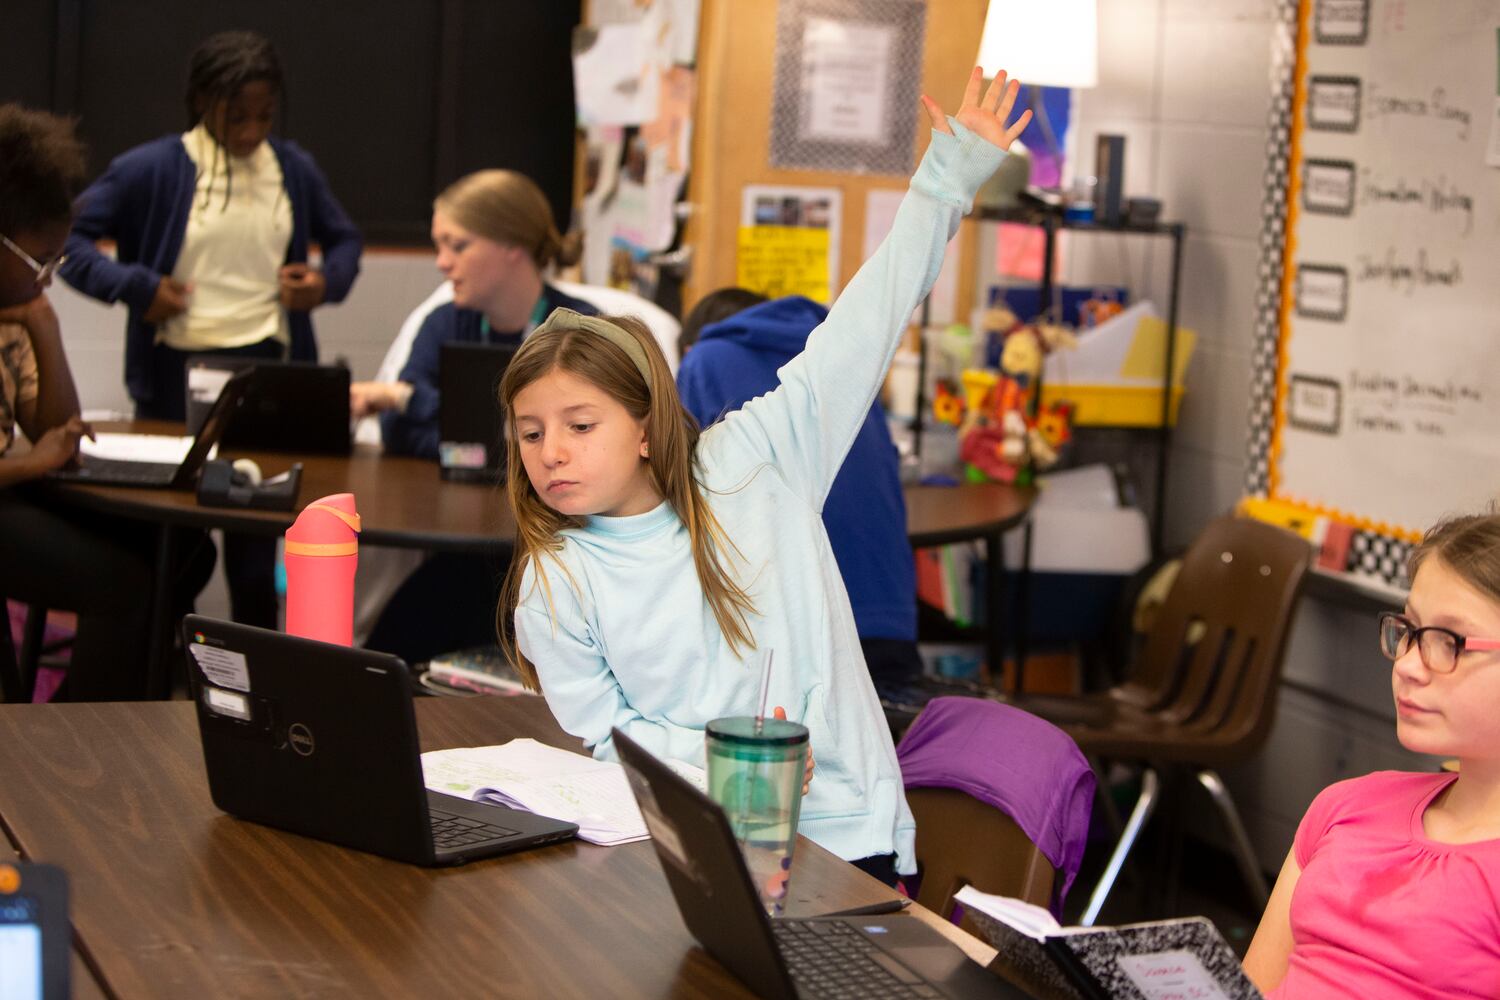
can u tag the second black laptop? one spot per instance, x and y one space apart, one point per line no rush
290 406
786 958
321 740
471 422
164 475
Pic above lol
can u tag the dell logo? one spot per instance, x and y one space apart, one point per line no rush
301 738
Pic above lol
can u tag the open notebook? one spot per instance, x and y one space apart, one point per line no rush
525 774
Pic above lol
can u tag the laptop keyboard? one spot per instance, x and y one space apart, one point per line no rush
450 832
122 471
831 959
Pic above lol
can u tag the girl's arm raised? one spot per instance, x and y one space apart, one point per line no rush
806 426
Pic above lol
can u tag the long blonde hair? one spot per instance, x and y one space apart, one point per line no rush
672 439
508 208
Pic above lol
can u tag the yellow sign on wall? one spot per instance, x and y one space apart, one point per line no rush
783 260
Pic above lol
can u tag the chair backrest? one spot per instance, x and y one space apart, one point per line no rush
962 841
1002 801
1215 649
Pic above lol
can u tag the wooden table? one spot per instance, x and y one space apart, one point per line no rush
944 515
404 502
172 898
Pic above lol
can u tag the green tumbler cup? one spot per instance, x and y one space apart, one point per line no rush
755 773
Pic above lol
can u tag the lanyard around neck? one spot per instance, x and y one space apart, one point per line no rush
538 314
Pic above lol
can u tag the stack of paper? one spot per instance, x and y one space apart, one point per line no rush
525 774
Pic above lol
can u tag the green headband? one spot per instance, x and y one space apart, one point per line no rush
567 319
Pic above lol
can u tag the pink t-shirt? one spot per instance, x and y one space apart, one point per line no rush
1383 912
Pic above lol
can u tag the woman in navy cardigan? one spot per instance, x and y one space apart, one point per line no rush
211 229
198 193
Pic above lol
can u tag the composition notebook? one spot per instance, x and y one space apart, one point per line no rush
1160 960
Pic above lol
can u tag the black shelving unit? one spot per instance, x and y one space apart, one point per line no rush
1051 221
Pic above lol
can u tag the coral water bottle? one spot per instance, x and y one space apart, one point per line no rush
322 550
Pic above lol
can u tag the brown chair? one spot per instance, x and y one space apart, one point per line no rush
962 841
1203 694
18 669
983 779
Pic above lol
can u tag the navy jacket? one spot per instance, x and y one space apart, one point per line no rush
142 203
415 432
736 360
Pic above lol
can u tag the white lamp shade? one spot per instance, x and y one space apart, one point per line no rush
1051 43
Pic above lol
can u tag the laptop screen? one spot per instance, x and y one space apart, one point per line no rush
471 422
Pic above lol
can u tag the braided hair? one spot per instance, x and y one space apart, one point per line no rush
221 65
41 169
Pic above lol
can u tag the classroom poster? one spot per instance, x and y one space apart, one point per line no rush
844 94
789 241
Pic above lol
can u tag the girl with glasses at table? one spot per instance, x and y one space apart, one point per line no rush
1392 886
656 565
211 228
70 561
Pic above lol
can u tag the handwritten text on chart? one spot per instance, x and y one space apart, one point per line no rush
1435 106
1437 195
1397 404
1407 274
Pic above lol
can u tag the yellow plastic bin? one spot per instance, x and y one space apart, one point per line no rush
1113 405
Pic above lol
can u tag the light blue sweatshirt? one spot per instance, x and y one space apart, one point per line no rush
636 644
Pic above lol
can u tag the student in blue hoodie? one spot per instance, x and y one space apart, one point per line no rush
732 345
652 560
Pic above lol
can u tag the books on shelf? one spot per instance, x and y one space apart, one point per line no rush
525 774
1184 957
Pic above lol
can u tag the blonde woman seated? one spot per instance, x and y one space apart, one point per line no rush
495 239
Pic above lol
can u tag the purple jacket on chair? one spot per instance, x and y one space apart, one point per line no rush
1022 765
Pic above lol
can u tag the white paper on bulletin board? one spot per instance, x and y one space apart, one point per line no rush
880 215
1387 407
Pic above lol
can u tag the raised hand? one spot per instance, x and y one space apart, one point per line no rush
985 117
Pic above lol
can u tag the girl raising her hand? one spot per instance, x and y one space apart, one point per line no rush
652 558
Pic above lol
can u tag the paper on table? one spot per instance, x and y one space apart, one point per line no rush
163 448
547 781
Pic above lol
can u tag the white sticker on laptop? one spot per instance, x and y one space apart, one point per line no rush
223 667
230 703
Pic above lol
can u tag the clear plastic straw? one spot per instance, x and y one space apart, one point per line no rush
765 689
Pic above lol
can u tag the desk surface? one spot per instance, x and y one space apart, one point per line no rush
938 515
402 501
405 502
172 898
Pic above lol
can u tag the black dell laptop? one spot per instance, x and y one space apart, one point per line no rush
321 740
471 422
785 958
165 475
291 406
35 936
